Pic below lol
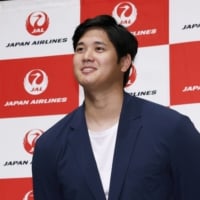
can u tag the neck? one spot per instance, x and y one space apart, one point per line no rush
103 110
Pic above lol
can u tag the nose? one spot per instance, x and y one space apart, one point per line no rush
88 55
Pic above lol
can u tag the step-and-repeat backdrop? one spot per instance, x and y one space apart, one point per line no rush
37 87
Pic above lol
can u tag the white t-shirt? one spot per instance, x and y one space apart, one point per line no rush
103 145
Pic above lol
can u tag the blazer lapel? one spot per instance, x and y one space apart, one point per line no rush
80 143
128 130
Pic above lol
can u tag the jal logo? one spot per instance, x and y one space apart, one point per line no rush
35 82
125 13
28 196
37 23
30 139
132 76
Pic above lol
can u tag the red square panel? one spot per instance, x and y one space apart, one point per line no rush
185 73
148 20
37 86
16 189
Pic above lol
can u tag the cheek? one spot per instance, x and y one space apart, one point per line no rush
75 66
109 62
107 59
74 61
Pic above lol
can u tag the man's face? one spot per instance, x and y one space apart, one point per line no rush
95 61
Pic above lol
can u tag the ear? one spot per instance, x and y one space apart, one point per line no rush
125 62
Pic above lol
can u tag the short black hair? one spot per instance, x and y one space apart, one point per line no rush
123 41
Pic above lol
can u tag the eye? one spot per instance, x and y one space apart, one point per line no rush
79 49
100 49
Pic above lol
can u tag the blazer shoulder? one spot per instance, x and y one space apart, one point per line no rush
154 113
153 108
58 132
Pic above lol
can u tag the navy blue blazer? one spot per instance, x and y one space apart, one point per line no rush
157 157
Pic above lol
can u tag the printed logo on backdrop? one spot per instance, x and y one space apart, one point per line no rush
130 85
30 139
36 82
191 26
141 19
132 76
37 23
125 13
50 88
28 196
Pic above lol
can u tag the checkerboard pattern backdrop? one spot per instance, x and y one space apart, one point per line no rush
37 86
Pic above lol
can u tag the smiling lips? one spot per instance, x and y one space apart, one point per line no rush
88 69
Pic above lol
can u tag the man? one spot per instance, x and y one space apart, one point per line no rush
115 146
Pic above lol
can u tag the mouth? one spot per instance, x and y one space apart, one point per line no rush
88 69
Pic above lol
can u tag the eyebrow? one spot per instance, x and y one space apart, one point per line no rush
96 42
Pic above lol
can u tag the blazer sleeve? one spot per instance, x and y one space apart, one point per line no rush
45 184
185 162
